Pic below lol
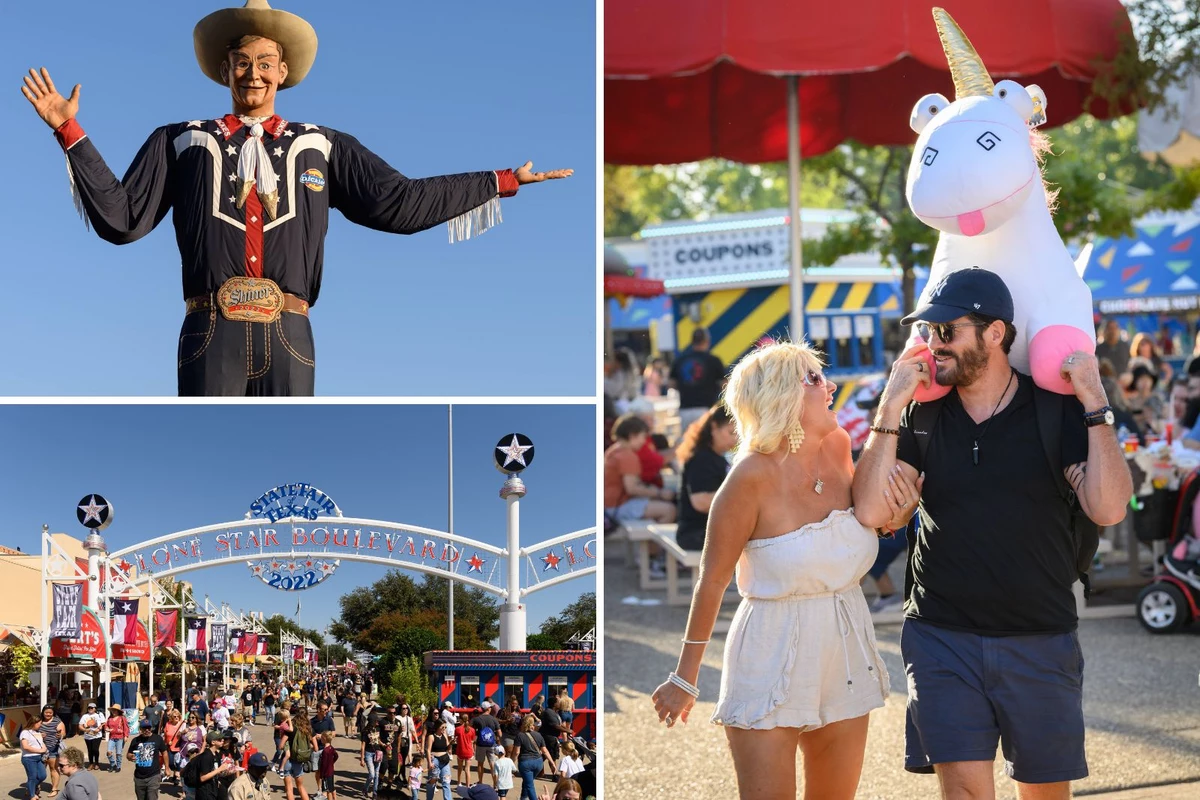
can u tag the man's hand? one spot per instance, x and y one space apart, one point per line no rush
1082 371
525 174
908 372
52 107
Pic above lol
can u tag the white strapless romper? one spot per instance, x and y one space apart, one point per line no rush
801 651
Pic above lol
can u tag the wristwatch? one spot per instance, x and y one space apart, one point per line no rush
1101 416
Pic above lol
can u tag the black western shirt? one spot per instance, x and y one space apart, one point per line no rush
191 168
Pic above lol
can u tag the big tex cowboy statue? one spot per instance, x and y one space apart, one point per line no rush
250 194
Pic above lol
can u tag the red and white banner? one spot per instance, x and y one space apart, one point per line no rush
249 644
90 643
124 618
165 624
138 650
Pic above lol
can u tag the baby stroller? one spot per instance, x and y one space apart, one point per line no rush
1172 599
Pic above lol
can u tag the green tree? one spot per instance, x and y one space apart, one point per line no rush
542 641
577 618
476 612
1101 183
1164 43
635 197
408 678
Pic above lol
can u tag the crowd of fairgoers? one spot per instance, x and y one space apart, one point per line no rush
203 744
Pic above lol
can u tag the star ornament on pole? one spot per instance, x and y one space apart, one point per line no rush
550 560
513 453
475 563
94 512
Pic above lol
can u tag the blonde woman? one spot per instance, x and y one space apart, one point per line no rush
801 668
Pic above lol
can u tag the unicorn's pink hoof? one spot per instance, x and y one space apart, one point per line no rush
1049 349
934 391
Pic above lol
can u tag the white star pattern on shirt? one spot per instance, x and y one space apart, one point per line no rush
287 133
233 199
515 451
278 151
194 123
91 510
231 150
308 126
232 177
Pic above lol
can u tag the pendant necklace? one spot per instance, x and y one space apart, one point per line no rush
988 423
819 486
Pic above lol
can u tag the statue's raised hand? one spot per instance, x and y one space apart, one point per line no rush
52 107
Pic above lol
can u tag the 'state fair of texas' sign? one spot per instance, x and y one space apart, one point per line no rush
271 545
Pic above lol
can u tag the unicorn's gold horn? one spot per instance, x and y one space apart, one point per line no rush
966 67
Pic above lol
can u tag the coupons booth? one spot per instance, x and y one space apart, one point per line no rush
468 677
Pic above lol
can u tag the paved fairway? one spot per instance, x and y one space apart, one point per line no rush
118 786
1141 703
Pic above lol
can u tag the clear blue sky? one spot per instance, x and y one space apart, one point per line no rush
168 468
433 88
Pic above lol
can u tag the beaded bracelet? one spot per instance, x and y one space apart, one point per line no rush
892 431
683 684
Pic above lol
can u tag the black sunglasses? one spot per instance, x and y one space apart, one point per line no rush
945 330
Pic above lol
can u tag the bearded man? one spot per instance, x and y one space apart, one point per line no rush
990 645
250 194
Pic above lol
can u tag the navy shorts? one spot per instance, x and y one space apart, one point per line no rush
967 692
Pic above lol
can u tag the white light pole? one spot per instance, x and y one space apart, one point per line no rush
512 613
450 517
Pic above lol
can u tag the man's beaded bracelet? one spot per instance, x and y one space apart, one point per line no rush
892 431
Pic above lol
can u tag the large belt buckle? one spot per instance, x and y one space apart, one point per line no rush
250 300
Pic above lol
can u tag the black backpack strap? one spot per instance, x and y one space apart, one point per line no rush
1048 407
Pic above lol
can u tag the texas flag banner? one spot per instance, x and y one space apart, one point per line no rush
164 628
197 641
298 653
263 644
124 617
235 639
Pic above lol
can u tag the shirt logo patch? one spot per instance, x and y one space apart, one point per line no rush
313 179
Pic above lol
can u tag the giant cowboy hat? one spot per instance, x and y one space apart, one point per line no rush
218 30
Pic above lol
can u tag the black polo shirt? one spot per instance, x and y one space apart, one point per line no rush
995 554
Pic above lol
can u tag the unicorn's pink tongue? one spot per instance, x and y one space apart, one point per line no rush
971 223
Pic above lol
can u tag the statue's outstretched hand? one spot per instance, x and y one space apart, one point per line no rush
525 174
52 107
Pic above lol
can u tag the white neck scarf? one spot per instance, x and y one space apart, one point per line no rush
254 167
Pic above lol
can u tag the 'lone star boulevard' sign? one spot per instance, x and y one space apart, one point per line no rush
295 534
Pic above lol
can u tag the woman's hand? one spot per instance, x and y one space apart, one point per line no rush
672 703
902 496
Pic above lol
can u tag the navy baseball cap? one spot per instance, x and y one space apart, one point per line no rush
965 291
146 724
259 760
480 791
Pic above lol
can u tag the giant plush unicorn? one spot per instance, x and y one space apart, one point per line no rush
975 176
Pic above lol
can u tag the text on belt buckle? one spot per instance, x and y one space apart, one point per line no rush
250 300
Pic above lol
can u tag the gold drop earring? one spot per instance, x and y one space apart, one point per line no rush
795 436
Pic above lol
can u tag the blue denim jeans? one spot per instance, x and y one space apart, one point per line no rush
116 748
437 771
35 773
372 773
217 356
529 768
